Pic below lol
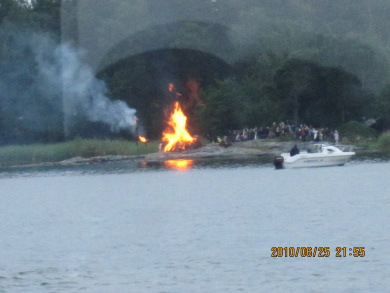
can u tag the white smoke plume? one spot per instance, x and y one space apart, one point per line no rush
83 94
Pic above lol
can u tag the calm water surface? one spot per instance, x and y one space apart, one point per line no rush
136 227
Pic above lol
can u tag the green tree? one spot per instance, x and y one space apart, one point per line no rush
294 81
6 7
383 103
343 97
320 95
47 16
223 109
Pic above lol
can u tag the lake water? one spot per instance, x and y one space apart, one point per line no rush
137 227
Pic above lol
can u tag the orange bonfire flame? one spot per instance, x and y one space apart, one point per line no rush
176 137
142 139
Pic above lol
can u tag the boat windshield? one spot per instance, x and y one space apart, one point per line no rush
314 148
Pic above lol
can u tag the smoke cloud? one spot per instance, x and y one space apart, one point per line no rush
83 94
46 91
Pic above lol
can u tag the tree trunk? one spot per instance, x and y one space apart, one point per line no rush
295 110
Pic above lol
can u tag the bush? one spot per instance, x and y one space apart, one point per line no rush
384 142
356 132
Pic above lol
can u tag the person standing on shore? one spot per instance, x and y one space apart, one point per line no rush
336 137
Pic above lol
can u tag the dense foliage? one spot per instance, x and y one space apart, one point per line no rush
235 64
357 132
384 142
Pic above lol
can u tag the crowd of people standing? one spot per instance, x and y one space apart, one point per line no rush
301 132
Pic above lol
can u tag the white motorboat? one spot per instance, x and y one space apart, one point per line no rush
319 155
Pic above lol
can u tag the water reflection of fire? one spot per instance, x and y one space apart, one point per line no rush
180 165
143 164
176 137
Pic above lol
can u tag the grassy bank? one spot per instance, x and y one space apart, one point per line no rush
87 148
384 142
41 153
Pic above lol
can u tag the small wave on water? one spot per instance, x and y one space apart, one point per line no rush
48 279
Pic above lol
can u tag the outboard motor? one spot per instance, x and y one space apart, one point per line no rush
278 162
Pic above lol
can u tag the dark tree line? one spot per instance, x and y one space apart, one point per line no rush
275 88
313 76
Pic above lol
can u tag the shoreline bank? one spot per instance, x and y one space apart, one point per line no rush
238 150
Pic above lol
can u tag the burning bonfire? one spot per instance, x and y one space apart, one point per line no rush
142 139
176 137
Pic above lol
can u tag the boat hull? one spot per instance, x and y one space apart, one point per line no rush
303 161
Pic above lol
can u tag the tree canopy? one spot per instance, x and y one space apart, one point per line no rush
235 64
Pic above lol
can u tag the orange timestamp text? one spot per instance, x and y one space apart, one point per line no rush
318 251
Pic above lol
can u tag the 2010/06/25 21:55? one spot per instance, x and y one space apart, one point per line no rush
322 251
